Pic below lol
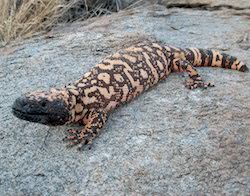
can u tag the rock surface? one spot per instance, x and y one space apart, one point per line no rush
169 141
242 4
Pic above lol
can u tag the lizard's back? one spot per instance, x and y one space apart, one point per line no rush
124 75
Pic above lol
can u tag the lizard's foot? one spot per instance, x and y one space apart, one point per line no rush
84 137
193 84
81 138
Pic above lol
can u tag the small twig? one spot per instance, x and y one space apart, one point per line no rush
46 136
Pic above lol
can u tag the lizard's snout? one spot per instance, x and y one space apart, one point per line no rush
20 103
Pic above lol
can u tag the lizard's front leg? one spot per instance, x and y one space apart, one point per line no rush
93 121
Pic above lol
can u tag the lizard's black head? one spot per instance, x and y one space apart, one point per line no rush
48 108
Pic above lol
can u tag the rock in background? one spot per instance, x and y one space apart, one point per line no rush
244 4
168 141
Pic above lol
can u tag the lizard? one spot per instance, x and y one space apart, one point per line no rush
116 80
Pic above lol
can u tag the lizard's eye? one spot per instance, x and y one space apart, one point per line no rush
43 104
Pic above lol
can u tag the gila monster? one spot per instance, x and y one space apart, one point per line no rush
116 80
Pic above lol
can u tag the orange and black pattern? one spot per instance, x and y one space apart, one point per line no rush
116 80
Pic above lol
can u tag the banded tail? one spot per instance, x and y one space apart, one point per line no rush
203 57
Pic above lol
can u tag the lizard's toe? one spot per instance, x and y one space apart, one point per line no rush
72 131
73 138
193 84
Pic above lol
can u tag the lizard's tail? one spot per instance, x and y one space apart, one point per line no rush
203 57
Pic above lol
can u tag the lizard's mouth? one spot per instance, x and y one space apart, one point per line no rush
32 117
45 112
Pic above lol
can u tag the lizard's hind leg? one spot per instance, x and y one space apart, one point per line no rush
195 80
